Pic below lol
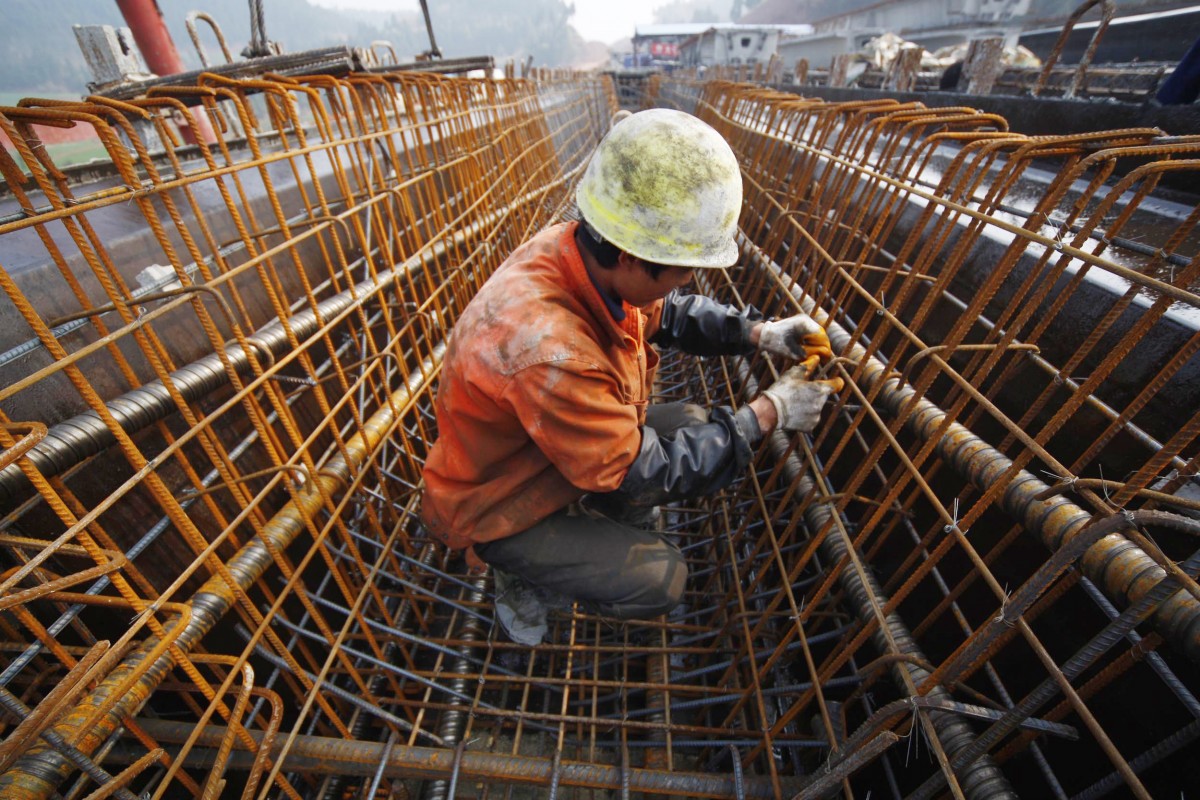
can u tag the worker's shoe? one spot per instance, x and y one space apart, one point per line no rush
648 518
521 608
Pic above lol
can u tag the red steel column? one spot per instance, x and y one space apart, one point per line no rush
145 20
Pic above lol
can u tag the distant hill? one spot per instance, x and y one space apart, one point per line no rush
502 28
40 55
35 28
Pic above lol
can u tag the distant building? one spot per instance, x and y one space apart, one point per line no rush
1144 30
820 48
659 45
732 44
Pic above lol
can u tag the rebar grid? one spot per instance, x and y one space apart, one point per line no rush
875 585
238 411
1004 347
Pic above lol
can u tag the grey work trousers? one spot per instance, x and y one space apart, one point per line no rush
613 567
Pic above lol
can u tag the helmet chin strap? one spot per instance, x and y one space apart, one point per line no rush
592 232
588 230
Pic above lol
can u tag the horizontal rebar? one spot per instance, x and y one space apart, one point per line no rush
336 756
38 772
874 580
1115 563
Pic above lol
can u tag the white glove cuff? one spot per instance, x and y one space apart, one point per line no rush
780 416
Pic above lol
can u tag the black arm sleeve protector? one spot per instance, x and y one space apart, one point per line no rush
701 326
693 461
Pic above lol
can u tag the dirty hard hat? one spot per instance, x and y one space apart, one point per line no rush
665 187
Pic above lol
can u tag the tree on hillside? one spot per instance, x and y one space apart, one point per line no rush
740 7
501 28
41 55
692 11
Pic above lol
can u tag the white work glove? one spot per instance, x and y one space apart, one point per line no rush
798 337
798 400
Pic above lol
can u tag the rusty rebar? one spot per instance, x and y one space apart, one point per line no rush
1054 519
36 771
355 217
323 754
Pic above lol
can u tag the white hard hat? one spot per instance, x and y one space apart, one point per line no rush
665 187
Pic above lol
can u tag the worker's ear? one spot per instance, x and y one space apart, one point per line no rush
627 261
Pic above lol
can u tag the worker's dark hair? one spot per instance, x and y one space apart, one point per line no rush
605 252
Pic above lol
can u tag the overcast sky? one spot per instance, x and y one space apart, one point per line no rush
602 20
607 20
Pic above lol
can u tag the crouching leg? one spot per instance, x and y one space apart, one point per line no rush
613 569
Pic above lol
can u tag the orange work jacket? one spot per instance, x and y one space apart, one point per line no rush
541 396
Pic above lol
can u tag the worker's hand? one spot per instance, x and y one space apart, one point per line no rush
797 337
798 399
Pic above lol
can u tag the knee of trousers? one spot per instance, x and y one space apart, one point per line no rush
660 579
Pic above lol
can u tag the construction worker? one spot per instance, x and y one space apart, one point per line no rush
550 460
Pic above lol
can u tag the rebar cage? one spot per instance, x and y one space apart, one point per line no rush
977 578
